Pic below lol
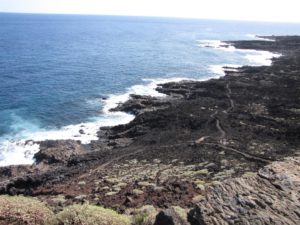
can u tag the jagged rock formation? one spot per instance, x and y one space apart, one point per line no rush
270 197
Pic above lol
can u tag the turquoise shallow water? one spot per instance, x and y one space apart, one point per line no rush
55 70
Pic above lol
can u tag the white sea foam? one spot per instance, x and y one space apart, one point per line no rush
217 44
254 57
260 58
220 69
21 149
257 37
18 150
149 88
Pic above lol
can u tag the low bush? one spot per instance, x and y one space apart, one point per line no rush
89 215
144 216
23 210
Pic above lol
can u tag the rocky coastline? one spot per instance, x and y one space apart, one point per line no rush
224 151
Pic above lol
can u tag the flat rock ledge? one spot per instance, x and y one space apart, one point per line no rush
269 197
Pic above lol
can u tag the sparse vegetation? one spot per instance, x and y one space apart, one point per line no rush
140 218
144 215
20 210
89 215
182 213
23 210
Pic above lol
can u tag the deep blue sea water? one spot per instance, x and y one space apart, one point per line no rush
55 70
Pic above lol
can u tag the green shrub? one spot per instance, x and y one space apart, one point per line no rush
182 213
89 215
23 210
140 218
144 215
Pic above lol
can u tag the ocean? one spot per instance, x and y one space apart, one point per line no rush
62 73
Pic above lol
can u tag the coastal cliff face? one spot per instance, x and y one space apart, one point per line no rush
199 148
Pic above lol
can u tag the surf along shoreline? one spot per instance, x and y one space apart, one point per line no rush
22 150
178 147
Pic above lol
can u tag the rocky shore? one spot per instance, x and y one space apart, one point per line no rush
217 150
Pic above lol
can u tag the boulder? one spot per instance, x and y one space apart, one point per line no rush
58 151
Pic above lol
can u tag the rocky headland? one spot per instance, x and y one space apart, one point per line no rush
222 151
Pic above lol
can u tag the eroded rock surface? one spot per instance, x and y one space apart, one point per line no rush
54 151
269 197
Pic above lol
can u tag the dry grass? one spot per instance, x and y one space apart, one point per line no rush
23 210
19 210
89 215
144 216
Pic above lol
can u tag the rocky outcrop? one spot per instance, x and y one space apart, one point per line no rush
171 216
54 151
138 104
269 197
